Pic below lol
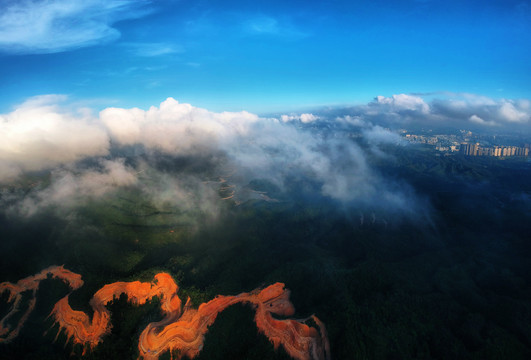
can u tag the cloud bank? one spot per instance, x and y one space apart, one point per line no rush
186 151
39 135
49 26
304 118
191 153
452 111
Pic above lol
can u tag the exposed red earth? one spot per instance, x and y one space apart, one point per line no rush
31 283
182 328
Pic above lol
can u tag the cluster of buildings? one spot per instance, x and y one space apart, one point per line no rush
466 143
422 139
500 151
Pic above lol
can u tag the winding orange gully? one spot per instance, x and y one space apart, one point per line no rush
182 327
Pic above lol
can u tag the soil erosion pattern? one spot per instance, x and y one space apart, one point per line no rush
182 329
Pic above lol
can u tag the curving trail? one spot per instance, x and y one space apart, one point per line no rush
182 328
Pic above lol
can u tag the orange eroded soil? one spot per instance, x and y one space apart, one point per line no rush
30 283
182 328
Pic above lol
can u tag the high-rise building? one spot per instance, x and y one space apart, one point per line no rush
470 149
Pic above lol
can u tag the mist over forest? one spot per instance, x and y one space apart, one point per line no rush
401 252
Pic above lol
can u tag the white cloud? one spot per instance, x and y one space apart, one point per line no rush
48 26
453 110
356 121
308 118
477 100
304 118
524 104
175 128
378 135
404 102
253 147
38 135
483 111
476 119
510 113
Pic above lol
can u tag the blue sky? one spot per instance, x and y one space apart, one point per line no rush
261 56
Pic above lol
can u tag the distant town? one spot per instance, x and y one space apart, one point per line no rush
470 144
